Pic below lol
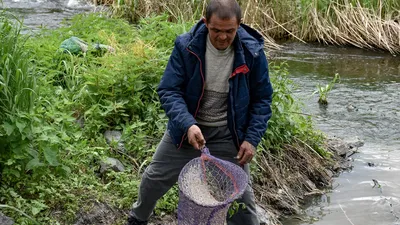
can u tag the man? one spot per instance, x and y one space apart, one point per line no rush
215 90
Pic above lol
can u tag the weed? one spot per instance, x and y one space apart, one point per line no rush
235 207
323 91
287 122
17 83
19 211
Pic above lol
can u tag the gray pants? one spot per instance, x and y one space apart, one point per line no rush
167 163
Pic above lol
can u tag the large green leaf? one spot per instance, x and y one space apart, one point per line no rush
37 207
9 128
51 156
34 163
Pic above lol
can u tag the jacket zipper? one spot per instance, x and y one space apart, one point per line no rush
202 92
240 69
233 122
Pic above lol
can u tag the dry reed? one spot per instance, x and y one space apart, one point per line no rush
340 22
287 178
355 25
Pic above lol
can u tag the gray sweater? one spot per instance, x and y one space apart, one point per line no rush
214 104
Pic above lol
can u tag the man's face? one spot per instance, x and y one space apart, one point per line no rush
222 31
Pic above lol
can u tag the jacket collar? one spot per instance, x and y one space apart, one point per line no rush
246 37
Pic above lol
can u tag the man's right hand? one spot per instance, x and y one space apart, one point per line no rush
195 137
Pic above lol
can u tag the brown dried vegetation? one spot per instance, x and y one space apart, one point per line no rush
340 22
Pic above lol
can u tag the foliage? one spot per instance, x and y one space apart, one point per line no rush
235 207
169 201
179 10
15 209
25 147
160 32
323 91
287 123
16 83
116 91
52 148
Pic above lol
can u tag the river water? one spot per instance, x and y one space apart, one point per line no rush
38 14
365 104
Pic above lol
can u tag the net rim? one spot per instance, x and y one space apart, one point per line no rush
207 156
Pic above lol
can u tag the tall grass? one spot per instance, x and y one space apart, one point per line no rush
17 95
362 23
16 81
178 9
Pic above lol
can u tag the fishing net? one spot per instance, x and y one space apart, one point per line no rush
207 187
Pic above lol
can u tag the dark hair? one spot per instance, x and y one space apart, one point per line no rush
224 9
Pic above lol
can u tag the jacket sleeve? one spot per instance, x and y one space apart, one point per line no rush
171 91
260 100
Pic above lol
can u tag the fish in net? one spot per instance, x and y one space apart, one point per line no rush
207 187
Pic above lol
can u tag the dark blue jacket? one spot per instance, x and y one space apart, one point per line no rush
250 92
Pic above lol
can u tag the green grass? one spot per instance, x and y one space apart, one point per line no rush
17 95
17 82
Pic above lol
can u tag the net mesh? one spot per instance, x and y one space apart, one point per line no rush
207 187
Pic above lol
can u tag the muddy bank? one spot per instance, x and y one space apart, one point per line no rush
298 174
287 181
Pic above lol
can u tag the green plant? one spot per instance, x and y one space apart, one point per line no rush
17 85
235 207
19 211
323 91
27 139
288 124
169 202
17 97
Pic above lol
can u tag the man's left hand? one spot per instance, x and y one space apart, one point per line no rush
246 153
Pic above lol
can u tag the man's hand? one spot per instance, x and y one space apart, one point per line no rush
246 153
195 137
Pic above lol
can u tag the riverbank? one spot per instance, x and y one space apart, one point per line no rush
299 174
115 91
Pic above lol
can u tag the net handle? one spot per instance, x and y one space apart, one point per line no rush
205 151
